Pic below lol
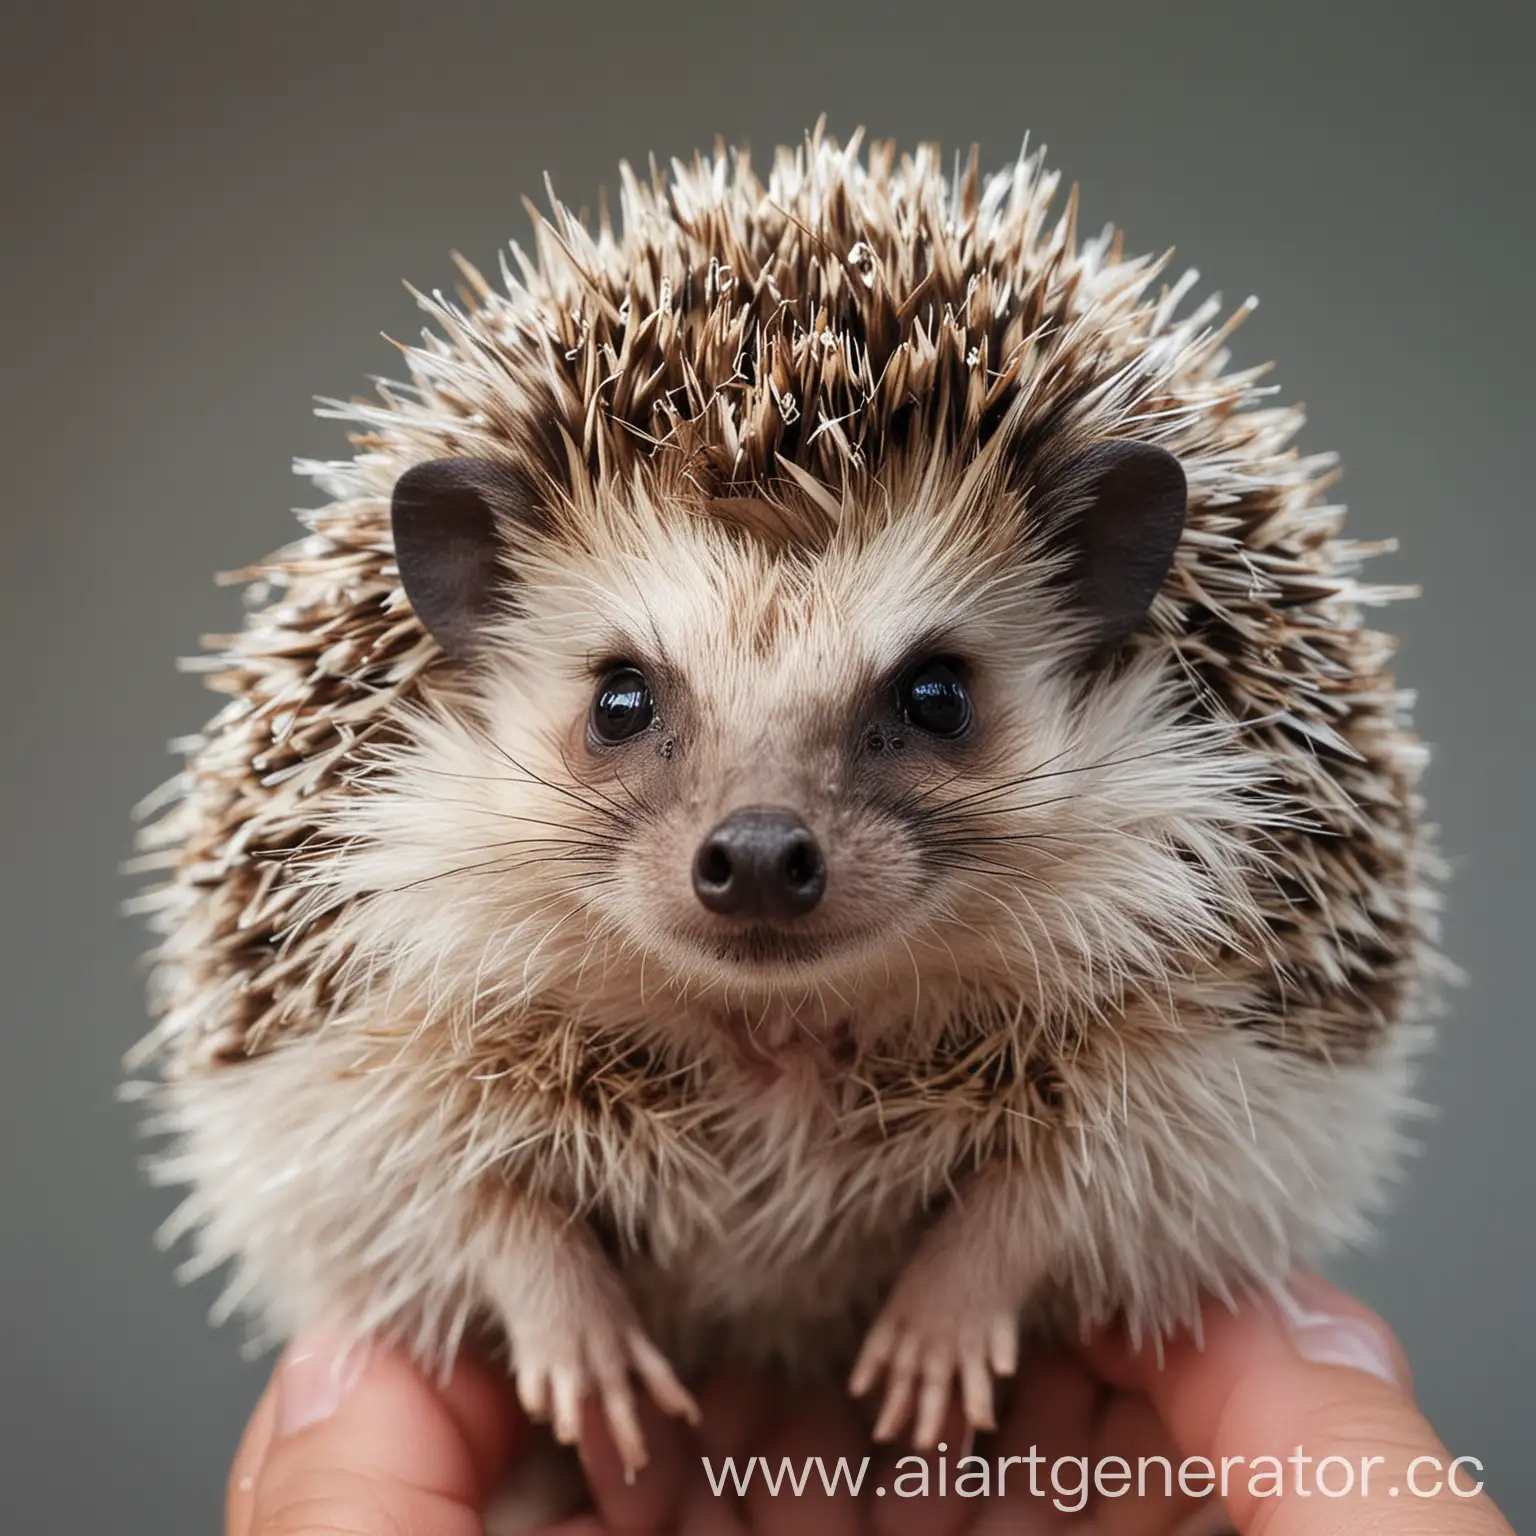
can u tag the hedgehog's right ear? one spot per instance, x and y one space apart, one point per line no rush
445 515
1118 507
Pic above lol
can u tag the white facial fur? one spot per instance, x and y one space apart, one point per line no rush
1082 841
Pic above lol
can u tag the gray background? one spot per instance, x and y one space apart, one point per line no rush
206 213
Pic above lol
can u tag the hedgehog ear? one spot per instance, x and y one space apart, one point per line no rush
445 515
1122 506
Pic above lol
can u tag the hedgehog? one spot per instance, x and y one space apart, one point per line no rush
818 796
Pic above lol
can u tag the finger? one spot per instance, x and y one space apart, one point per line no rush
1114 1361
1326 1382
735 1410
817 1439
239 1493
706 1513
1144 1502
1048 1425
365 1444
643 1501
1052 1412
544 1487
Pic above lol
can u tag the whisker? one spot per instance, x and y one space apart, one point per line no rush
945 817
525 778
1028 774
978 866
959 844
559 789
584 833
1035 776
607 799
507 864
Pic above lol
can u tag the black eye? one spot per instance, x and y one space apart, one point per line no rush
935 700
623 706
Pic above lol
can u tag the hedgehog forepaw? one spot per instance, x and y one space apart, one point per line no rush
557 1370
574 1334
931 1338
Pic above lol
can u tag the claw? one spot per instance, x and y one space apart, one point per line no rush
655 1370
533 1392
557 1374
976 1391
933 1403
872 1359
623 1422
894 1410
898 1390
1003 1346
924 1365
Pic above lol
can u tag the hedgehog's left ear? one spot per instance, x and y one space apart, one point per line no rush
447 515
1118 505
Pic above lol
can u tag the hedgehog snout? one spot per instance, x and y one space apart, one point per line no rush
761 861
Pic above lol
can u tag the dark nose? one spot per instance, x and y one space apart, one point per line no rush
760 862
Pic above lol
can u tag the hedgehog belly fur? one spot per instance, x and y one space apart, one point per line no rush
319 1182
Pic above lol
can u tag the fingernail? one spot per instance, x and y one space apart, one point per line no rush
315 1374
1345 1341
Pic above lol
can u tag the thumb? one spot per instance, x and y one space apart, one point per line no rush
361 1442
1306 1424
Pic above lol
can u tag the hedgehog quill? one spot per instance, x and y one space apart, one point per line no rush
818 795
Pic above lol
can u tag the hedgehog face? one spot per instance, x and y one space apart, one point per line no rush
874 759
769 722
751 730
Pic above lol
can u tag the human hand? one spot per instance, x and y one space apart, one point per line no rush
1332 1384
388 1453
